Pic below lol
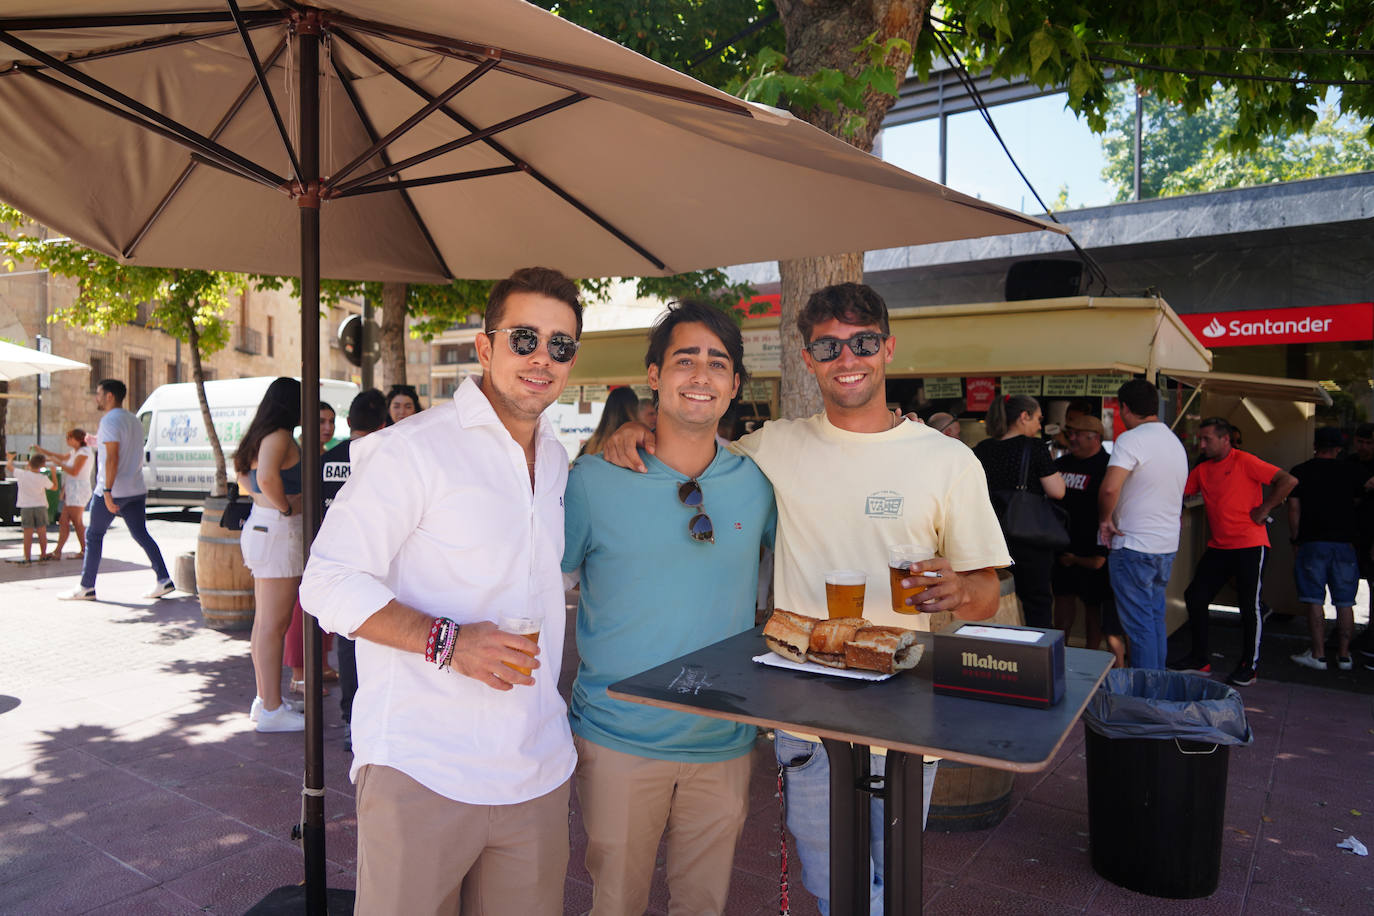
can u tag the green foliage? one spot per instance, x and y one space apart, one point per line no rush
711 286
1081 47
1185 153
184 303
767 81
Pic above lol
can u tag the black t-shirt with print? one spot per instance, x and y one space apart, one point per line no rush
1001 460
335 466
1082 480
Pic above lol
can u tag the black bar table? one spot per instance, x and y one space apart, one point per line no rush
902 714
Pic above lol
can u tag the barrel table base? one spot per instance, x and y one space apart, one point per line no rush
224 584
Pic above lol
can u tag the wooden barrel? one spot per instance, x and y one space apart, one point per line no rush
969 797
223 582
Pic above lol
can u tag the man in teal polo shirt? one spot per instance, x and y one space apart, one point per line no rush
669 563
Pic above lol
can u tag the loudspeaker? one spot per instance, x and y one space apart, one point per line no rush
1044 279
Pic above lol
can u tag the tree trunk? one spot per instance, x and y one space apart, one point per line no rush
800 278
393 355
821 34
221 484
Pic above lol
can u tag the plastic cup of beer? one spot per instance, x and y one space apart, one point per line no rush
899 560
844 592
527 627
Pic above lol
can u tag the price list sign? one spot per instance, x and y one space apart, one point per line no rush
944 386
1022 384
1066 386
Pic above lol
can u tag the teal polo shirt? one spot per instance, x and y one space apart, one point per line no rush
650 593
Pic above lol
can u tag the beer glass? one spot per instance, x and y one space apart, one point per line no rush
844 592
527 627
899 560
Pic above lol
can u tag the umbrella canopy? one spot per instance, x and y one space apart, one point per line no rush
19 362
588 158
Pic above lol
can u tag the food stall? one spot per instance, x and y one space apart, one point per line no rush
959 357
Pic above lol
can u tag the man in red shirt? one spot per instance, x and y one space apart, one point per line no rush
1232 485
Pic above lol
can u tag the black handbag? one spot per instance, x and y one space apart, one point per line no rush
1031 518
236 512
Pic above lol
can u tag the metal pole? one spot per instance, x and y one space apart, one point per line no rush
308 44
1139 123
367 362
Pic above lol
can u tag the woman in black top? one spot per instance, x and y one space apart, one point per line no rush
1013 424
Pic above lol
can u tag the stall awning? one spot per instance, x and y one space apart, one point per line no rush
1078 335
1253 386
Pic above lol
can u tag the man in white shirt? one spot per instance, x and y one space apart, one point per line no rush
448 522
1139 509
850 482
119 491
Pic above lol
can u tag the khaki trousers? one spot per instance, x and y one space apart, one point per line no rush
422 853
628 800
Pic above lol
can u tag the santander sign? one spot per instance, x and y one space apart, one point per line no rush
1280 326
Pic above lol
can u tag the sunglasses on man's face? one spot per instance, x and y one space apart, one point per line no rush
825 349
524 341
700 527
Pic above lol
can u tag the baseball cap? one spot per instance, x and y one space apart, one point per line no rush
1329 437
1085 423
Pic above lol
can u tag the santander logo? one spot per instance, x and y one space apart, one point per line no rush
1352 321
1214 329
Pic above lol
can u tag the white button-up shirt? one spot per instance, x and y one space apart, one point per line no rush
438 514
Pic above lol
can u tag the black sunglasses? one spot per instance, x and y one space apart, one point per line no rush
524 341
700 527
825 349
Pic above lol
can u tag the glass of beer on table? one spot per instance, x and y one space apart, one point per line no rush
899 560
844 592
527 627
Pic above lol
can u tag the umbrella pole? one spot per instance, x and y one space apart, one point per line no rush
308 43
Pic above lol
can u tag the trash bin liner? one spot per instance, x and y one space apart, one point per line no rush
1157 753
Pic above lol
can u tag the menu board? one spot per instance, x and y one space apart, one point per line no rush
763 351
944 386
1066 386
1022 384
571 395
595 392
756 391
1106 386
643 392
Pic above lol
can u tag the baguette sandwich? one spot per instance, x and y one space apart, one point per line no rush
884 649
828 638
789 634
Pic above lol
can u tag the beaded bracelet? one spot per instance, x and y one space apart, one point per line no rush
444 654
437 630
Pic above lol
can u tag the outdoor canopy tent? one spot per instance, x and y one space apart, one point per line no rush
442 139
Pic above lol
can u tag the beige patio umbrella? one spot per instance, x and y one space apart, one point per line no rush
415 140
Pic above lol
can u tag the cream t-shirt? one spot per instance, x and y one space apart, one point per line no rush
843 497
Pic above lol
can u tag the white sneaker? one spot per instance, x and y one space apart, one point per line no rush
80 593
1307 661
281 719
165 587
1346 663
256 709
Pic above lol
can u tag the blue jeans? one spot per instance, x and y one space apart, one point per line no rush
132 509
1138 581
806 787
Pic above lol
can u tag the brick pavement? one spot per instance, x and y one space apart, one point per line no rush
132 782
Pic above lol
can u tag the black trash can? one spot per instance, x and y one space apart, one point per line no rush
9 497
1158 744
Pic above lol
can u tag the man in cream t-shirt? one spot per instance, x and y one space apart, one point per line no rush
849 482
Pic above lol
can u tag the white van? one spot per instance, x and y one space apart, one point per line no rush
179 467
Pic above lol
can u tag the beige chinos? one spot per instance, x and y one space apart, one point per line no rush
626 803
419 852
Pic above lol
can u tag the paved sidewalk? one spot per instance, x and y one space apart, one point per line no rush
132 782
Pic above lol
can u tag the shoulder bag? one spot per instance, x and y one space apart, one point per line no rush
1031 518
236 511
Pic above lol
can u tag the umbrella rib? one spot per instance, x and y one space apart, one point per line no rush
266 90
125 20
208 154
430 180
435 152
468 79
151 44
468 50
166 200
173 127
391 70
372 136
